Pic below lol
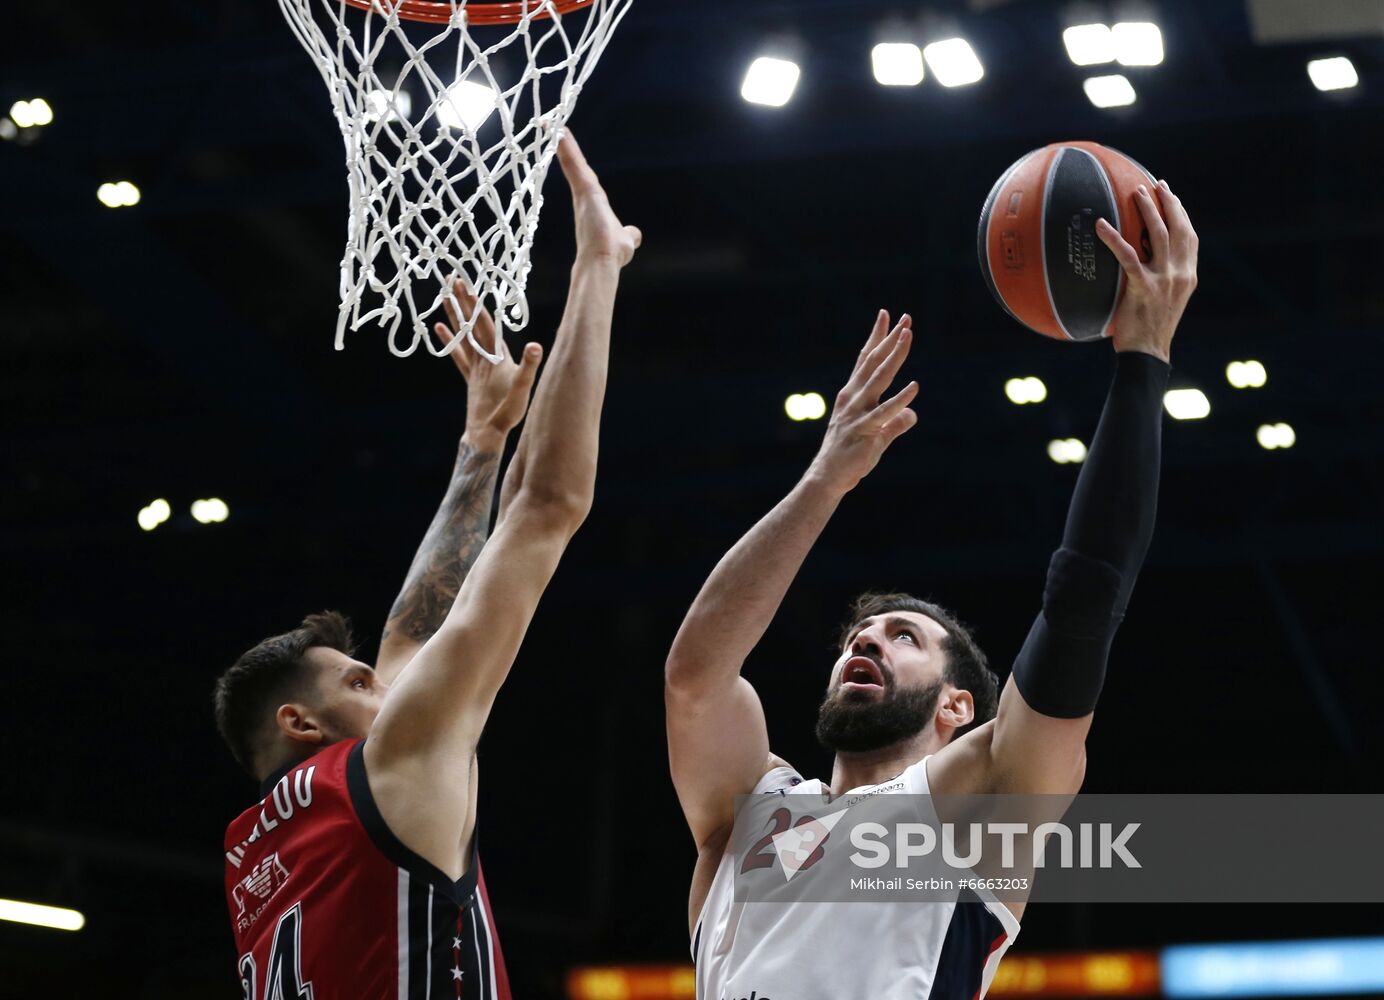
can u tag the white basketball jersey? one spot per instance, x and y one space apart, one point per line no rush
846 950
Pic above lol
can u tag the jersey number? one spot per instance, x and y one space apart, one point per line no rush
283 979
762 854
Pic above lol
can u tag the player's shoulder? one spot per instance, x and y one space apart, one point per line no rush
778 776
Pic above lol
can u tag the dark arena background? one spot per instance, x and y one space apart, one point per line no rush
181 349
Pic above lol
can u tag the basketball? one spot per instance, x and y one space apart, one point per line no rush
1039 252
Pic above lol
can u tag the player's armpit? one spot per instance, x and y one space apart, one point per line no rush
438 828
1019 752
718 747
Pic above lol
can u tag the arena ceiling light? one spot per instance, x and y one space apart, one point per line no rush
1336 73
57 918
1137 43
120 194
770 81
210 511
1246 374
32 113
805 406
1067 451
153 515
389 105
897 64
953 62
1089 44
1022 391
1113 91
1272 437
467 105
1186 404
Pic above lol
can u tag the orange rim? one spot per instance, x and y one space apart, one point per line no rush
433 12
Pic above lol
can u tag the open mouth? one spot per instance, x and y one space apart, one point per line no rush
861 673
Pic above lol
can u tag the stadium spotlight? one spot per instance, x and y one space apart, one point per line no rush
805 406
1110 91
770 81
897 64
210 511
953 62
27 114
120 194
57 918
467 106
23 117
1336 73
1246 374
1274 436
815 405
1067 451
387 105
1025 390
1137 43
153 515
1186 404
1089 44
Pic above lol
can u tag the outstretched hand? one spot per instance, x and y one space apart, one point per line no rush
600 233
1156 293
497 393
861 427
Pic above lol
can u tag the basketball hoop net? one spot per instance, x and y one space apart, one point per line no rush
450 113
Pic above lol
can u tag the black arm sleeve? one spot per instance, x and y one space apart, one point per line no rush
1061 668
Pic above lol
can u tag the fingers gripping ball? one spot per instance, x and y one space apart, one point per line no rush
1039 252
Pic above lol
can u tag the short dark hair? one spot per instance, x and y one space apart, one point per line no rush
267 675
967 667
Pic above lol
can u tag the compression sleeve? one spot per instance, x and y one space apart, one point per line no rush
1061 668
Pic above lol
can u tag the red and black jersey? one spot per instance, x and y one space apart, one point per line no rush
326 902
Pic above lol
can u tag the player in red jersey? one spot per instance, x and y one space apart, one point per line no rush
357 874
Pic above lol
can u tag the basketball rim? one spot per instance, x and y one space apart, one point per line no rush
435 12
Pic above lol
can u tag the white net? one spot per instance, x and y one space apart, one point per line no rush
450 126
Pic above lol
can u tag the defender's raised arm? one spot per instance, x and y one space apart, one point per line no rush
420 750
496 397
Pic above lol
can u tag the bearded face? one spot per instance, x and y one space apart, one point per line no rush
868 709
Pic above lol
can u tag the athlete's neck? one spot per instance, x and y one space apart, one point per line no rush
871 767
285 759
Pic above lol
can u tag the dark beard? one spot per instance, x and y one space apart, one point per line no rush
859 725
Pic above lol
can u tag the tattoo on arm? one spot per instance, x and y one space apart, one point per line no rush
449 549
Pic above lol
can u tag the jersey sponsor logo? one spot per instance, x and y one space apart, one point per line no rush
257 889
893 786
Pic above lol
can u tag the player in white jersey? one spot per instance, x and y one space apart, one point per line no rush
911 705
